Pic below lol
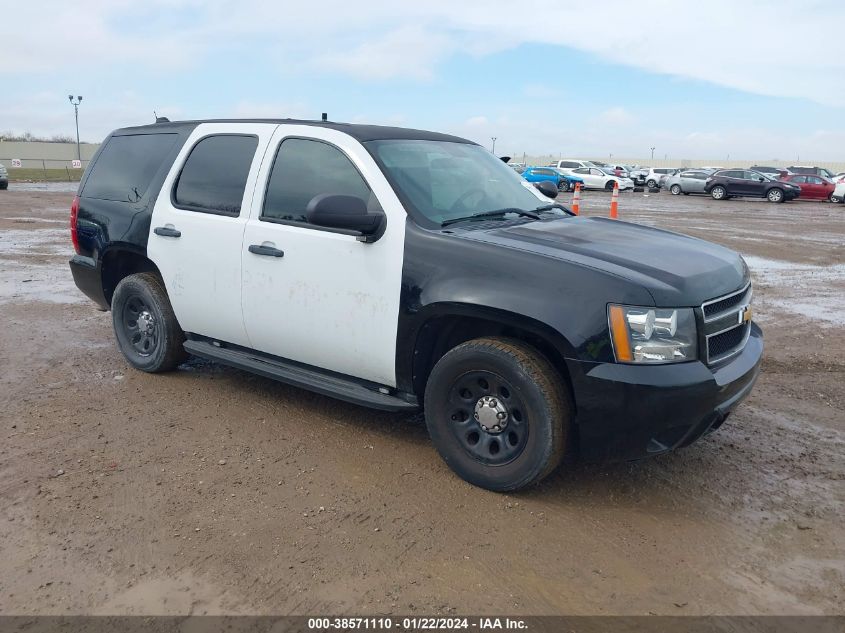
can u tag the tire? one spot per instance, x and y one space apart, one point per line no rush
718 193
686 193
515 379
563 185
608 186
157 345
4 186
676 190
775 194
651 183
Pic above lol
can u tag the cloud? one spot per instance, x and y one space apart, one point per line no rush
617 116
768 47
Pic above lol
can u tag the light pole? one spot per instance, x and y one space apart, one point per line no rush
75 105
493 149
652 153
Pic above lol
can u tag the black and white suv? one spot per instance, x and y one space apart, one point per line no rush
401 269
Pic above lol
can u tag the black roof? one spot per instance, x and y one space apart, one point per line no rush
360 132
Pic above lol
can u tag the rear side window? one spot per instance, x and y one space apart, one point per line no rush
127 165
214 176
303 169
569 164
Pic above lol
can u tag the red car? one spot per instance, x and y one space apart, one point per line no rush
812 187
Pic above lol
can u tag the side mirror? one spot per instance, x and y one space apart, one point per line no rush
349 213
547 188
762 179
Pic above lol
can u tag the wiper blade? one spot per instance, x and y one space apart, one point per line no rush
492 214
549 207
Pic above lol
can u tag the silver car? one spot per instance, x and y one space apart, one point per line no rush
687 182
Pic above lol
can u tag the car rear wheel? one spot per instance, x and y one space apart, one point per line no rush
676 190
609 185
145 325
563 185
498 413
718 192
652 183
775 195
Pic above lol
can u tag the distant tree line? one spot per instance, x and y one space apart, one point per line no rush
30 137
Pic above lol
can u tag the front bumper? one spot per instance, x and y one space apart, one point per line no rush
628 412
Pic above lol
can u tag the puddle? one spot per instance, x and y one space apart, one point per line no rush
44 186
815 292
41 242
37 282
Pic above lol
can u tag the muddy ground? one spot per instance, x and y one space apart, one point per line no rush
210 490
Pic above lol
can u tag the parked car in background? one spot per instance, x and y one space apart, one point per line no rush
687 182
4 177
595 178
572 163
517 167
655 174
638 174
840 177
617 170
562 180
811 171
568 180
775 173
812 187
838 193
730 183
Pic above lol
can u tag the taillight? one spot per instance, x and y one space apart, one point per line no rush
74 214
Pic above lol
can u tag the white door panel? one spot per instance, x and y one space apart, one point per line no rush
330 301
202 268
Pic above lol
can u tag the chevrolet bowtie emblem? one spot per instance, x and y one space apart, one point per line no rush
745 314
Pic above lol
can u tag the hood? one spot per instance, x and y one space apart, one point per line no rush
676 269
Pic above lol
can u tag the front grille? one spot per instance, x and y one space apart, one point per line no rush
725 327
713 309
720 346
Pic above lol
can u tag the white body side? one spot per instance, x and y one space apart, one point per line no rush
202 268
331 301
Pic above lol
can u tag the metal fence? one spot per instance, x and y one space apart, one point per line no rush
47 169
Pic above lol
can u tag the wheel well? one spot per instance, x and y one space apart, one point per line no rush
120 263
441 334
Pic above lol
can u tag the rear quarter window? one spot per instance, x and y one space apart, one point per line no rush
213 178
126 166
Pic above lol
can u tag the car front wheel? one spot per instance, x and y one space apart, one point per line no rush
145 325
498 413
676 190
563 185
718 192
775 195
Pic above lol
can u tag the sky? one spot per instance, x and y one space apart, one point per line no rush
721 79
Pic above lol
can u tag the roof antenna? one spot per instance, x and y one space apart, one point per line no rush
325 116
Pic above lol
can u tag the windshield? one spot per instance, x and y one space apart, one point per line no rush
441 181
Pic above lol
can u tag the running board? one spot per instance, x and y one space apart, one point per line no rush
332 385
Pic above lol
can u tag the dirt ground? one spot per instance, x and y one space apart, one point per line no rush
210 490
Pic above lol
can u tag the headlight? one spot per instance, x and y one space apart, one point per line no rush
652 335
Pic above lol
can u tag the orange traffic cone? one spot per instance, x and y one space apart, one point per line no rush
614 202
576 198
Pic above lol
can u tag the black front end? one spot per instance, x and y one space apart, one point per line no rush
630 411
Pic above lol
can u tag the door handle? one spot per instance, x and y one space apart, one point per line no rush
167 231
267 251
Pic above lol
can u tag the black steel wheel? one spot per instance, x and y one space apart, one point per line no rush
498 413
145 326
